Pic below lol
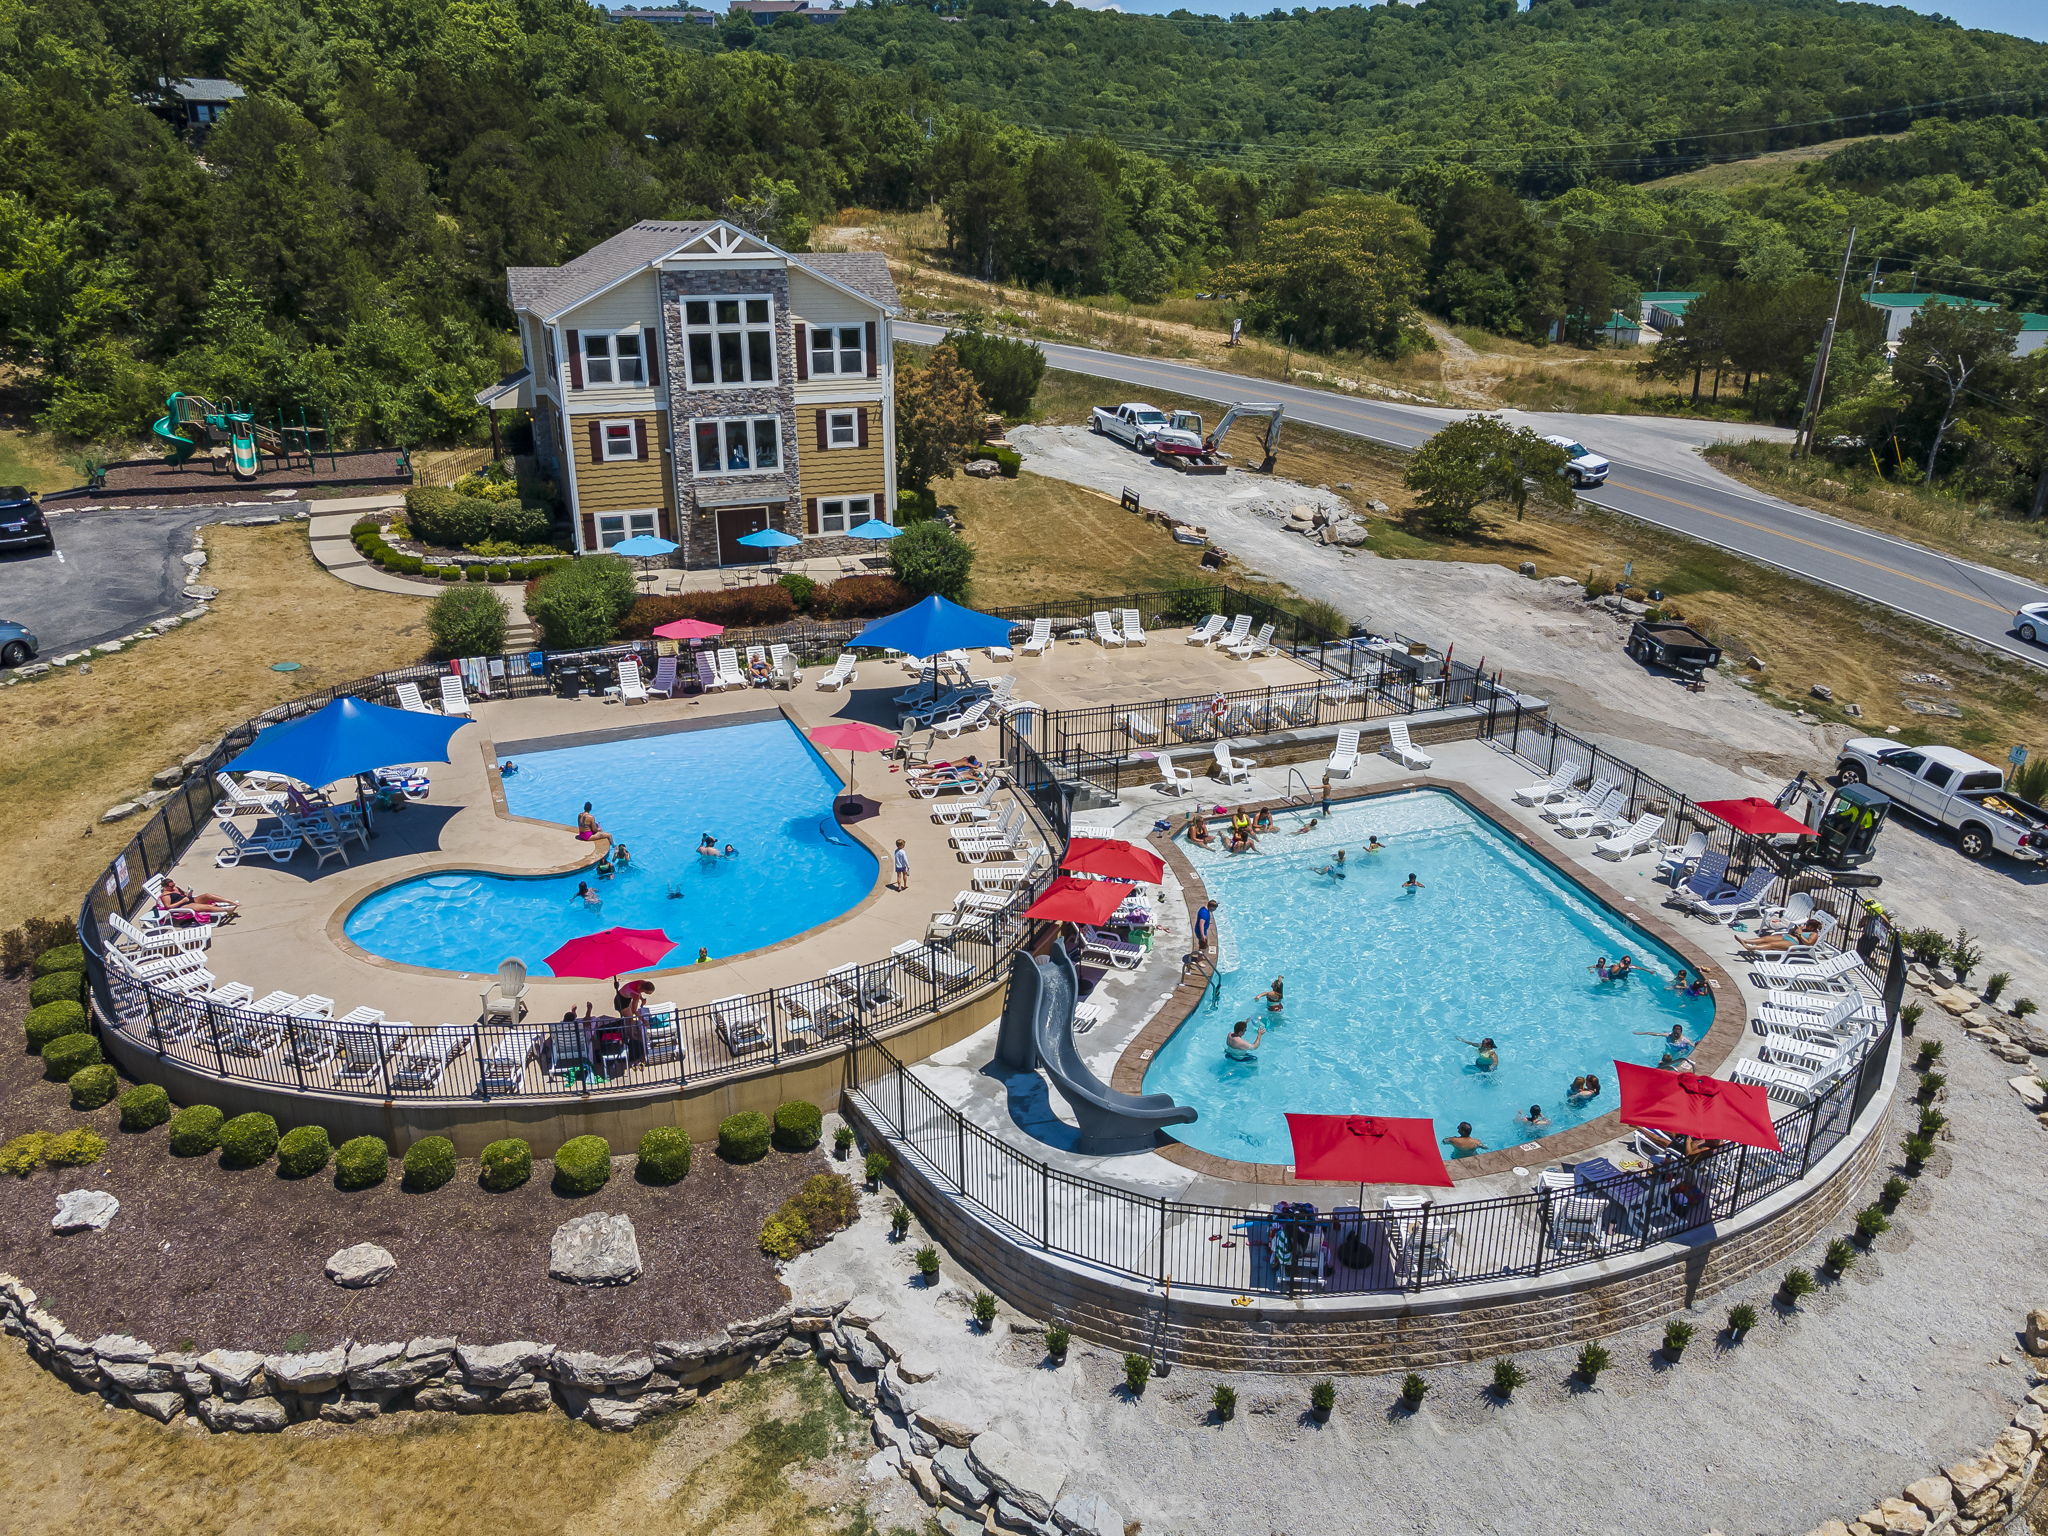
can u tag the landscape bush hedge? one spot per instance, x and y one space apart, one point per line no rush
144 1107
583 1165
824 1205
468 621
303 1151
863 597
798 1125
507 1164
744 1137
247 1141
429 1163
582 602
92 1086
75 1148
741 608
801 589
195 1130
22 1155
930 558
361 1161
57 987
664 1155
52 1021
60 957
67 1054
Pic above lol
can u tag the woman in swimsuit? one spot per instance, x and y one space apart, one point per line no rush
586 824
1489 1053
175 899
1198 830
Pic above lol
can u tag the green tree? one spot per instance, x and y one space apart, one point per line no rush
1344 274
939 413
1953 362
467 621
1478 460
581 603
928 558
1006 369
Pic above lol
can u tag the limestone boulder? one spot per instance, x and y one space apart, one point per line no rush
497 1365
1087 1514
249 1416
1022 1476
591 1372
234 1371
361 1266
1932 1494
317 1371
84 1210
958 1476
597 1248
2036 1337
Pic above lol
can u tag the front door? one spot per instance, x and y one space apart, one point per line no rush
734 524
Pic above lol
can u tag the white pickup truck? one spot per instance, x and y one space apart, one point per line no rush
1963 793
1145 427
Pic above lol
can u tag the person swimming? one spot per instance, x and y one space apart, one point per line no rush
1237 1047
586 895
1579 1093
707 846
507 768
1489 1053
1335 866
1374 845
1600 969
1411 883
1676 1046
1464 1144
1622 969
604 869
1535 1119
621 857
1308 826
1275 999
729 851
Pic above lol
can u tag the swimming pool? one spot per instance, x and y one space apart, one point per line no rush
760 787
1382 982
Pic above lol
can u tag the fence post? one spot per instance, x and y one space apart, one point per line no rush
1162 1241
960 1151
1045 1205
1542 1229
291 1035
1421 1259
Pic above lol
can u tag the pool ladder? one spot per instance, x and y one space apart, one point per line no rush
1309 794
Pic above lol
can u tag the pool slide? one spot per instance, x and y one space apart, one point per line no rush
1037 1031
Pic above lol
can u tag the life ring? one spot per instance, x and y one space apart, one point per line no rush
1219 708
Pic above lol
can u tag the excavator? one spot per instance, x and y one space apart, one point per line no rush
1209 461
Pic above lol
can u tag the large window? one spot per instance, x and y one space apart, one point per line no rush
738 445
617 527
612 357
836 514
839 349
731 341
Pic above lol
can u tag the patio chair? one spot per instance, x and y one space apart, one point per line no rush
972 718
1709 877
662 1039
408 695
1556 787
1344 757
422 1060
1829 972
1576 1222
1139 729
871 987
236 798
815 1011
663 683
842 675
1602 818
1256 646
1793 1085
1134 629
1205 631
502 1066
321 836
1297 708
278 847
1643 833
708 675
1106 634
1113 952
1576 801
933 965
729 672
310 1042
505 998
1228 770
1746 901
159 938
742 1023
1172 780
1403 750
566 1048
453 700
782 667
1234 633
1008 877
1679 859
1039 641
965 812
632 690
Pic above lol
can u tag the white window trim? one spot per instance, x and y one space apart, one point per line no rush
772 327
860 368
834 420
604 439
851 519
781 453
610 357
625 520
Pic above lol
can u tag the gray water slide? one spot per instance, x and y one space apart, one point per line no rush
1037 1032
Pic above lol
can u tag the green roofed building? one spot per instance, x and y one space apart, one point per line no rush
1664 311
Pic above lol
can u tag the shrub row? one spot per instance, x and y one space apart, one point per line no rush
76 1148
437 514
53 1021
824 1205
369 543
57 987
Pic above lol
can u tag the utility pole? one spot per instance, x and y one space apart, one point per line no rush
1814 389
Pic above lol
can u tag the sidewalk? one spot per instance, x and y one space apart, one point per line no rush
328 533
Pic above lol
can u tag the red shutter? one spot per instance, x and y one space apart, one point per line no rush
640 440
650 349
824 430
662 522
589 532
575 360
811 515
861 416
596 442
803 350
874 363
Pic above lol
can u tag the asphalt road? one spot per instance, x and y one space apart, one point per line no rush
1658 477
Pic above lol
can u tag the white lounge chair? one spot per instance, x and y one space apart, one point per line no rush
235 798
1632 840
408 695
1106 632
1793 1014
842 674
159 938
964 812
872 987
363 1052
1746 901
1681 858
1578 801
1409 755
663 683
1602 818
1556 787
1257 645
1114 952
742 1022
453 700
1172 780
1144 732
1206 631
1039 641
1004 831
815 1011
502 1067
278 847
1134 628
1829 971
1344 758
729 673
934 965
972 718
505 998
1795 1085
632 689
1233 633
1229 770
420 1063
1008 877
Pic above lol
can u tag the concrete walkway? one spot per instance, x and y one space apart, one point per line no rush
328 532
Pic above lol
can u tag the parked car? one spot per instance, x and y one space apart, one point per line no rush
17 644
1145 427
2030 622
1582 467
1952 789
21 520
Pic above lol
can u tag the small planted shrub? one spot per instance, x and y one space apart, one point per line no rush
2024 1008
1932 1122
744 1138
824 1205
144 1107
1840 1257
842 1142
303 1151
1994 986
1930 1050
1741 1318
195 1130
67 1054
984 1310
1057 1337
59 957
1223 1402
1676 1336
927 1261
1798 1283
1507 1376
877 1167
92 1086
1413 1390
1895 1189
1137 1371
53 1021
798 1124
1322 1397
57 987
76 1148
429 1163
24 1154
1929 946
664 1155
899 1221
784 1235
1593 1359
1916 1150
248 1140
583 1164
1909 1020
1871 1224
1964 955
361 1161
507 1164
1931 1083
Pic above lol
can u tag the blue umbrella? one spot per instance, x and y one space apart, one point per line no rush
642 544
935 625
768 538
874 528
347 737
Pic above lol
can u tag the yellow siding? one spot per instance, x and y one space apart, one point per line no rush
623 485
840 471
821 303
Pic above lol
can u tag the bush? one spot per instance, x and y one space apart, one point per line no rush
1930 1050
1223 1403
1916 1150
92 1086
448 573
1006 370
1931 1122
469 621
1322 1397
512 523
449 519
581 603
77 1148
864 597
1931 1084
67 1054
195 1130
1137 1371
57 987
303 1151
1676 1336
33 938
1506 1377
1187 601
1964 956
1741 1318
1057 1337
53 1021
824 1205
361 1161
60 957
429 1163
664 1155
1325 619
1895 1189
476 573
842 1141
500 573
784 1235
248 1140
877 1166
1797 1283
24 1154
2024 1008
144 1107
428 502
744 1138
742 608
1593 1359
927 1261
1413 1390
984 1310
1840 1257
798 1125
1008 460
583 1165
801 589
507 1164
931 558
1995 985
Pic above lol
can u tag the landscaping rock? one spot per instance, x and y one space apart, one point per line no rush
951 1468
595 1249
123 1347
862 1349
1899 1517
122 811
353 1409
2035 1339
883 1465
318 1371
894 1392
768 1328
1087 1514
1346 533
235 1370
1012 1516
1021 1476
591 1372
376 1366
530 1396
363 1265
1932 1494
686 1355
498 1365
857 1394
948 1431
34 669
917 1365
161 1406
167 778
452 1397
249 1416
627 1412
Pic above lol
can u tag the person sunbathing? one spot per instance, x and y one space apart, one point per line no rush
1805 936
175 900
587 829
948 773
759 673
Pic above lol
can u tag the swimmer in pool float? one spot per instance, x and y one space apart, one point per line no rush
586 895
1276 998
1335 866
1237 1047
1489 1053
1464 1144
1535 1119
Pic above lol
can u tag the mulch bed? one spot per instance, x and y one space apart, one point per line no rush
206 1257
151 482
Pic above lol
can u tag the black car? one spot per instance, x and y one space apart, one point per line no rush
21 520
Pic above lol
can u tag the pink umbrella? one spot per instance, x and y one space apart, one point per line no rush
851 736
611 952
689 629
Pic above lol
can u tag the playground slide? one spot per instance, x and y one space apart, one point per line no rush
1037 1031
165 430
246 461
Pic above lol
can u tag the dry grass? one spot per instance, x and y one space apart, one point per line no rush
1040 540
88 741
1759 169
31 459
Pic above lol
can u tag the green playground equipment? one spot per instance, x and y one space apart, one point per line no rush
191 422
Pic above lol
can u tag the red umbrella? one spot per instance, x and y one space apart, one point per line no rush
688 629
1759 818
1687 1104
611 952
1118 861
1068 900
851 736
1367 1149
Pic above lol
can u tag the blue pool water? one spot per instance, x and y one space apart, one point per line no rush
760 787
1382 983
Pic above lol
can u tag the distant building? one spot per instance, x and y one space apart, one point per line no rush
197 103
1901 309
666 15
1662 312
772 10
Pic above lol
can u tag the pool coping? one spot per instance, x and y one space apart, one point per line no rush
1712 1051
337 921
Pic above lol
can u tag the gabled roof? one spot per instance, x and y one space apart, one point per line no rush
203 90
865 272
509 385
